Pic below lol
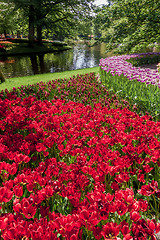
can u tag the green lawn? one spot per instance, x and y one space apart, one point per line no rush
19 81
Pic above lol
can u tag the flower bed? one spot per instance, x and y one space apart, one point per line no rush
74 171
118 65
4 45
140 86
85 89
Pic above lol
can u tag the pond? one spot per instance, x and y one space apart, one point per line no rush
80 56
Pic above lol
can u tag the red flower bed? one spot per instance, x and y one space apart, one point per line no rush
70 171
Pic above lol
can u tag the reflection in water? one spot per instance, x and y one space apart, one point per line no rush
41 63
34 64
80 56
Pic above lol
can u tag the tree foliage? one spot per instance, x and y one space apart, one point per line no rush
132 25
57 17
6 17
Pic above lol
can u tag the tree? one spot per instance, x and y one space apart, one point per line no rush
41 12
133 24
101 19
6 16
28 9
61 17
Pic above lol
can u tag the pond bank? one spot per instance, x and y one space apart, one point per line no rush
25 50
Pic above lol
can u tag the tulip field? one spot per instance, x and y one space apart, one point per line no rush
140 86
77 163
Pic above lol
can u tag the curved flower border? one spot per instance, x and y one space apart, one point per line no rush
118 65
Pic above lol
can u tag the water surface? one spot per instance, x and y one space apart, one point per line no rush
80 56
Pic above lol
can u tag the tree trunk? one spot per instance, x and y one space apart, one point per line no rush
5 33
39 34
42 64
31 26
34 64
18 35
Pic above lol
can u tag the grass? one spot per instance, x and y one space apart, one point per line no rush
27 80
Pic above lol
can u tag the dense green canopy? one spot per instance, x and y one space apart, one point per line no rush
125 25
130 25
58 17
